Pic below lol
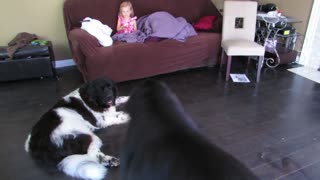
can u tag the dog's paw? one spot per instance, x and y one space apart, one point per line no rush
123 117
121 100
113 162
108 161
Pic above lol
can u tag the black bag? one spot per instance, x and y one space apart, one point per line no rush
267 7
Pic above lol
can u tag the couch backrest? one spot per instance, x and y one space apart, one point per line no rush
107 10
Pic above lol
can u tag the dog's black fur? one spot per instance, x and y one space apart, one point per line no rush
163 142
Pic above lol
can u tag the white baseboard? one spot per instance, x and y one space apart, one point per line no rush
64 63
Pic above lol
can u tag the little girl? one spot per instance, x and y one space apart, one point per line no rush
126 20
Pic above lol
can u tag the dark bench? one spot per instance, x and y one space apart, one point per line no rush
28 62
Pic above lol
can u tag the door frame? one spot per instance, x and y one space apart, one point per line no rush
310 34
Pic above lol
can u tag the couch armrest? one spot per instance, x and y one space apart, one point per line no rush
82 45
83 41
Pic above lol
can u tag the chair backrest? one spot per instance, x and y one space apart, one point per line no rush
239 20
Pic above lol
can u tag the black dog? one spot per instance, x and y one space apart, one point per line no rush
164 143
64 136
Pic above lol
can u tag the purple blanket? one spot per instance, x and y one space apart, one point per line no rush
161 25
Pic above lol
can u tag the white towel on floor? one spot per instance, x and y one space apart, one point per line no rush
101 31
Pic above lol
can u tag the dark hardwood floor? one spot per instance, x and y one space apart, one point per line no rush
273 127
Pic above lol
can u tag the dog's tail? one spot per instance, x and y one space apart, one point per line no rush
82 166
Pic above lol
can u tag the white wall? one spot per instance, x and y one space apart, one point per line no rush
310 56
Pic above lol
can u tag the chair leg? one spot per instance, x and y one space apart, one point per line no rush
248 64
228 67
261 59
222 59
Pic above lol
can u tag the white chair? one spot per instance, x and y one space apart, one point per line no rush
239 40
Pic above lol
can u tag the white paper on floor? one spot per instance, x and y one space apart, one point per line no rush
241 78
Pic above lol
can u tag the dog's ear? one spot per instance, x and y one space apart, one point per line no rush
114 91
83 88
85 92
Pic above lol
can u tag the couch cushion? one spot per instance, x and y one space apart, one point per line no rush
167 56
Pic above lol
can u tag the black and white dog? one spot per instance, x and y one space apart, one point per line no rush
163 142
64 136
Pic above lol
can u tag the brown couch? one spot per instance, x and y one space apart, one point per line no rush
126 61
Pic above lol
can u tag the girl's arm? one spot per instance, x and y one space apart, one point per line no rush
119 27
134 25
